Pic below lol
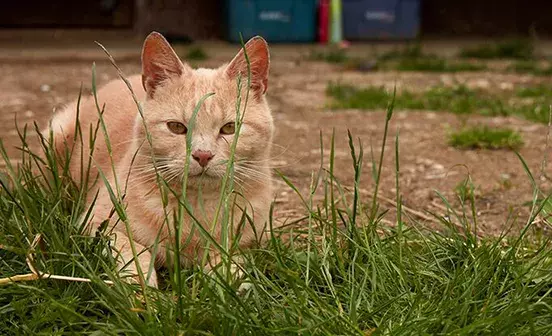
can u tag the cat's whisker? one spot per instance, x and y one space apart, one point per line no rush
257 166
120 143
149 166
137 185
254 177
240 182
172 176
151 172
149 175
153 181
251 170
153 160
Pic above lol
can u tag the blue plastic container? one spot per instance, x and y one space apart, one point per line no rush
381 19
275 20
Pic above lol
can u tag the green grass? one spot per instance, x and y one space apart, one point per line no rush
513 49
196 54
537 91
465 190
346 96
341 271
332 55
459 100
484 137
435 64
531 67
412 58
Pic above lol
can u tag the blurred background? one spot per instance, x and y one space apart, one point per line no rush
222 19
472 81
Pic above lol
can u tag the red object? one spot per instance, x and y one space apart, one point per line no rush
323 20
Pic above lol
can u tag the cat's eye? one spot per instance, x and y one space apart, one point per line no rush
229 128
177 127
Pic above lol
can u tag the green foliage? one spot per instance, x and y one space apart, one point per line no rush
341 270
514 49
534 91
412 58
409 52
465 190
531 67
196 54
458 99
484 137
435 64
331 55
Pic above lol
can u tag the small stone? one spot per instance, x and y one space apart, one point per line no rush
45 88
437 166
506 86
29 114
481 83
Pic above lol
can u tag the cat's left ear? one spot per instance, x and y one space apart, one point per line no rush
159 62
259 61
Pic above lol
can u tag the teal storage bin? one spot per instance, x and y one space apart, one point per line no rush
275 20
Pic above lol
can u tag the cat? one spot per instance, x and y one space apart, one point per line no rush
169 90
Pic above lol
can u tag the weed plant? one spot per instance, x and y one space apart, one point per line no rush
485 137
457 99
338 271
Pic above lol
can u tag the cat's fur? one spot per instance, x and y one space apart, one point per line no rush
169 90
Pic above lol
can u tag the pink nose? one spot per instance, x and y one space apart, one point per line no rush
202 157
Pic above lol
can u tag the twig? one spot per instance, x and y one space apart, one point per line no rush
407 209
448 210
37 275
544 163
440 207
546 146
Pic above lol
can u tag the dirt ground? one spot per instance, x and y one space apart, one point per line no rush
35 79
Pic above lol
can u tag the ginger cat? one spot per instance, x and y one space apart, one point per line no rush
168 91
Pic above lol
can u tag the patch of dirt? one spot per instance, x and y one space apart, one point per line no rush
31 91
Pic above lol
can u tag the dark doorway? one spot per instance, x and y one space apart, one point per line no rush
67 13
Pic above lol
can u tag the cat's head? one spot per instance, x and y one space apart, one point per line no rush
174 90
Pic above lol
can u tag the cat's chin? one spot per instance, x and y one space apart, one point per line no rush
203 178
204 174
204 182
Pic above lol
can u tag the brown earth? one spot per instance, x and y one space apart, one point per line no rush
33 82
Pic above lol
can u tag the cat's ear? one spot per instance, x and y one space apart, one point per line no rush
159 62
259 60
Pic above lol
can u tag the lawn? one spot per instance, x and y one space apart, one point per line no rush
341 270
458 99
347 266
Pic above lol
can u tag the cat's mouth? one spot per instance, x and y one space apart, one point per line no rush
204 173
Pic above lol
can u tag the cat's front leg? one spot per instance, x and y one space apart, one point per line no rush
215 264
128 265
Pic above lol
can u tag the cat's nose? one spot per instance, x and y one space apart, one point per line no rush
202 157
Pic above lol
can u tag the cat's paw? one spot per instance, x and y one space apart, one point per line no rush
244 288
133 278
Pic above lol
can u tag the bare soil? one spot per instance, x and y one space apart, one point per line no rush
33 85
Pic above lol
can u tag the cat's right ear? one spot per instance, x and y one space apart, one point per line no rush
159 63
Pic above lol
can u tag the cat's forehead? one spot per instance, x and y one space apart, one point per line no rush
206 73
185 92
190 90
203 81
